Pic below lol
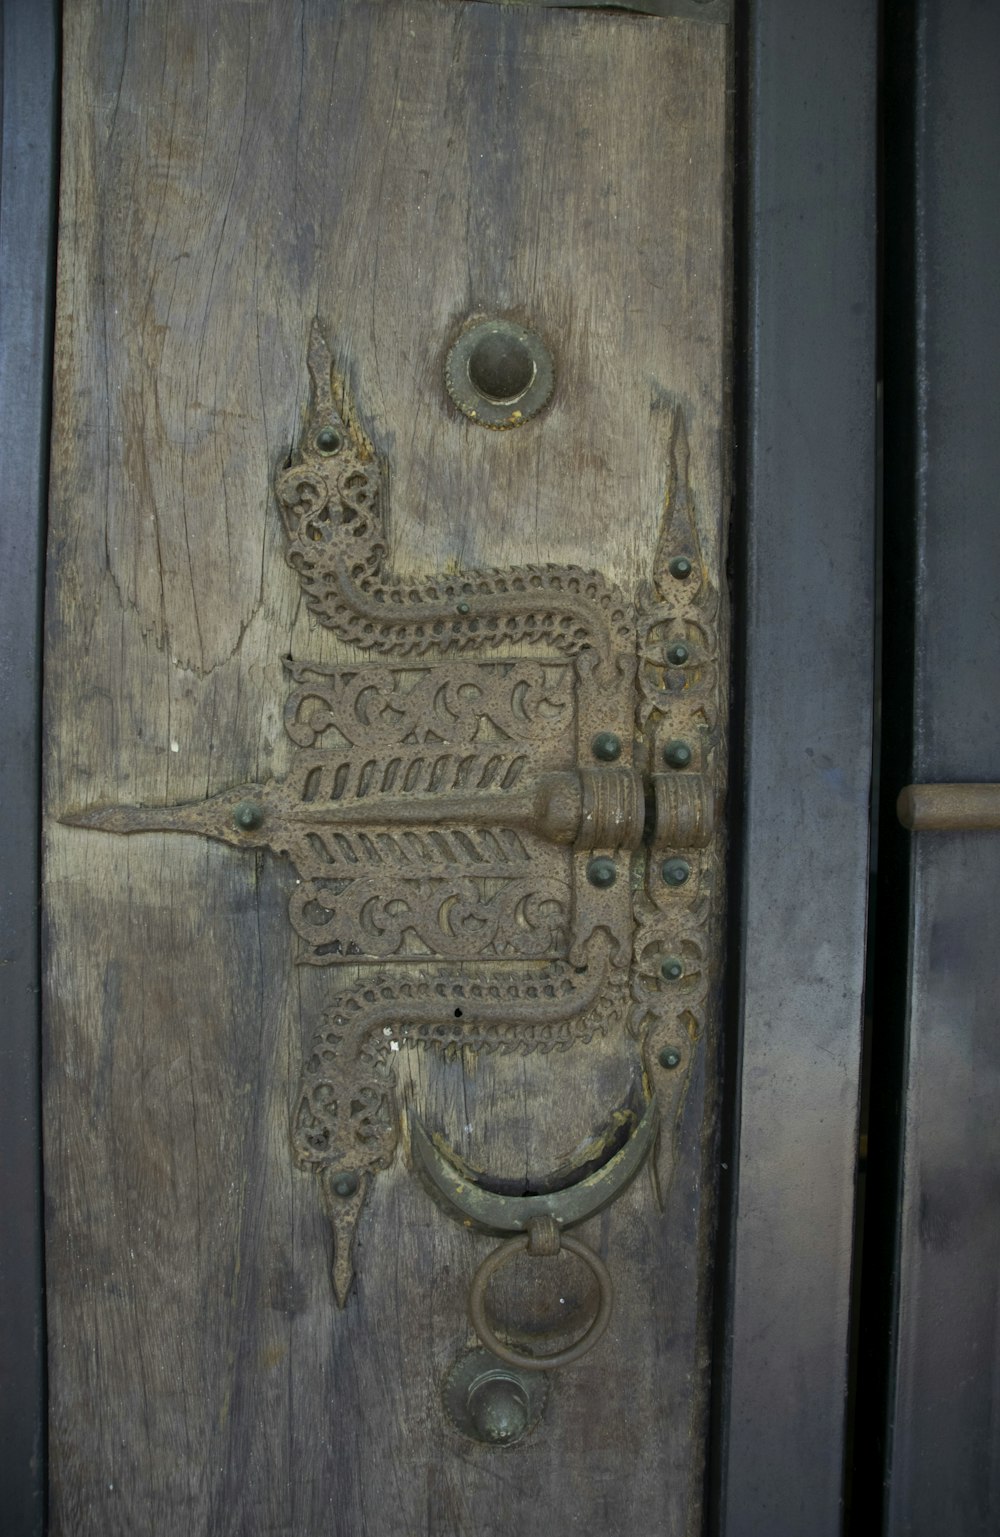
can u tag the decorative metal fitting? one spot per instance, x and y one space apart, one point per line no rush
248 816
443 830
539 1223
678 655
681 568
549 1245
677 754
489 1401
601 872
475 1205
669 1057
675 871
606 746
671 970
499 374
684 810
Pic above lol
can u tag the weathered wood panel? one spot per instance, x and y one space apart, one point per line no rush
229 171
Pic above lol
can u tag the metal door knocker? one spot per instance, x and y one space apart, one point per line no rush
543 1239
538 1222
520 853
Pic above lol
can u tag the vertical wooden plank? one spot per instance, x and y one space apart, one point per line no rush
28 176
230 171
807 484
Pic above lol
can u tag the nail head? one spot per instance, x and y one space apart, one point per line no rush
601 872
606 746
248 816
677 754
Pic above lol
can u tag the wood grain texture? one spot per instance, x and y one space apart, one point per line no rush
229 171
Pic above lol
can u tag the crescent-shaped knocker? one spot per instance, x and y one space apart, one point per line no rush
539 1222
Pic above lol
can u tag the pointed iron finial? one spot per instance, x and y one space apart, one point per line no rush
678 553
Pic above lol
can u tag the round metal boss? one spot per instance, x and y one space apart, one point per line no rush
525 1363
248 816
491 1402
499 374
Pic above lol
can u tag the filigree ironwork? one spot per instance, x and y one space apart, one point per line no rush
444 805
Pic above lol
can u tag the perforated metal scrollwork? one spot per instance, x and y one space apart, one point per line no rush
445 804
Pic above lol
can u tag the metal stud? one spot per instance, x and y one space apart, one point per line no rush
248 816
345 1184
606 746
329 441
669 1057
463 608
681 568
601 872
675 871
677 754
671 969
678 654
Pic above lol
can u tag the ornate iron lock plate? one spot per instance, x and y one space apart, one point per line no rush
523 846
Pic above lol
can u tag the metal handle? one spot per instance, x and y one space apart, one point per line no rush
950 808
544 1239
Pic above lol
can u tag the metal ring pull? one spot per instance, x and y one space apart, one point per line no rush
544 1239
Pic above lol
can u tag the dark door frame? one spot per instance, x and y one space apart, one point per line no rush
805 525
927 1457
804 573
29 123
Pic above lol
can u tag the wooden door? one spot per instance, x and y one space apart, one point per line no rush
241 181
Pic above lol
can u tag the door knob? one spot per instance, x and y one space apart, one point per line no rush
950 807
490 1401
523 850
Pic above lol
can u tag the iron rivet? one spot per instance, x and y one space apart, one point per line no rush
670 1057
677 754
248 816
678 654
601 872
346 1184
463 608
671 969
328 441
606 746
675 871
681 567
